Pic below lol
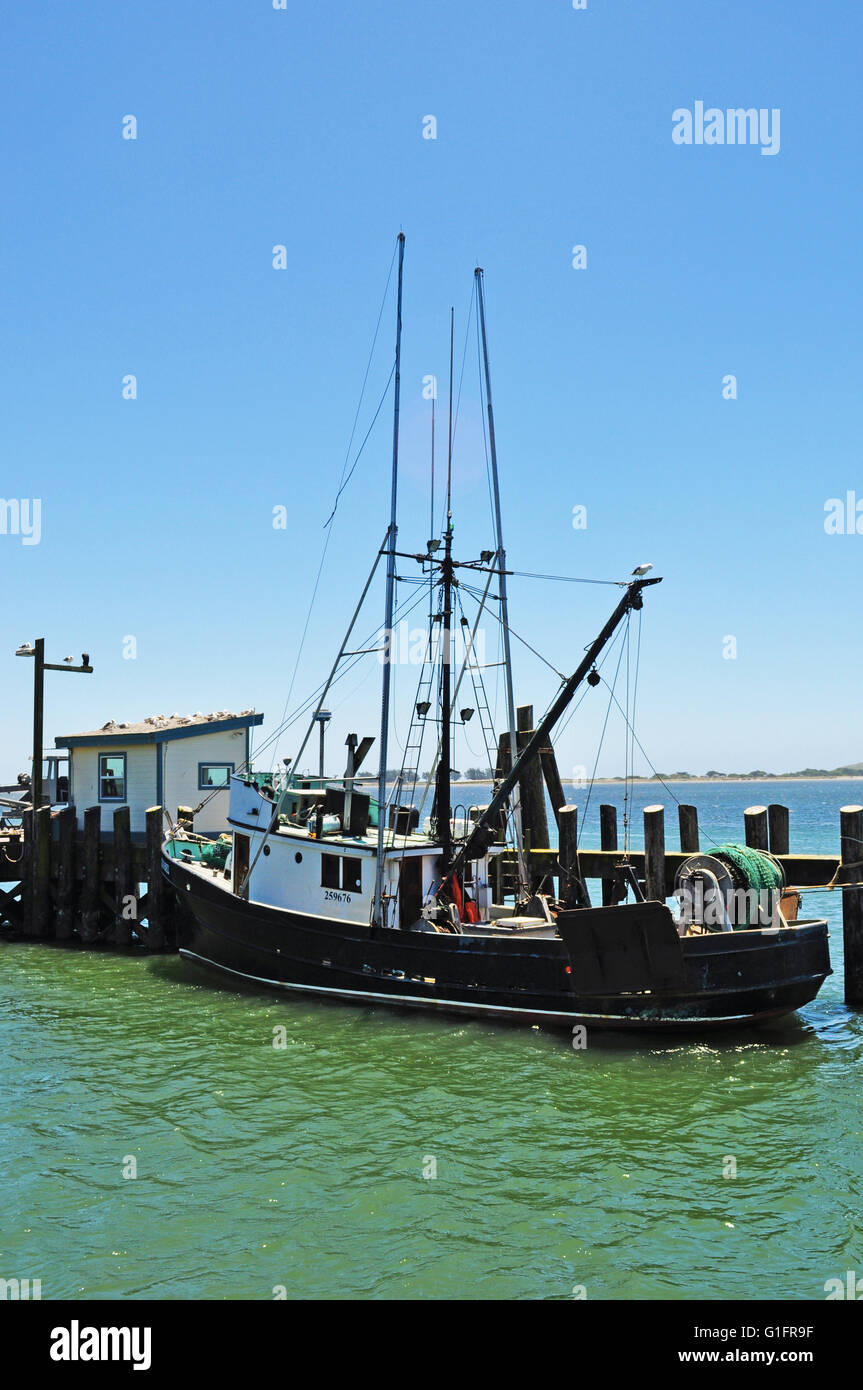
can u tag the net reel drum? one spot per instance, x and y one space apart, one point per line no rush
734 888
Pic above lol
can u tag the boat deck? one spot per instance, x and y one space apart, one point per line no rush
521 926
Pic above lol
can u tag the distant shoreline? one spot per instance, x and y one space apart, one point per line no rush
695 781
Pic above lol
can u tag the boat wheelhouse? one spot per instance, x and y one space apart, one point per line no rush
322 852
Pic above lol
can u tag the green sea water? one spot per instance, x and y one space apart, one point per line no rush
385 1154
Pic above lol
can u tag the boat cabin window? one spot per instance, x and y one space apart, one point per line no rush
214 775
337 872
112 776
330 871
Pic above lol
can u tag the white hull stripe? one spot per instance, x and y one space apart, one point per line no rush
460 1005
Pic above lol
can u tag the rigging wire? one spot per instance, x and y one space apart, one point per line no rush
569 579
490 484
479 692
590 785
477 593
634 702
658 775
343 482
455 415
488 476
606 656
311 700
343 485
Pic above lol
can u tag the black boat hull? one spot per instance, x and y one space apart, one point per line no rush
729 979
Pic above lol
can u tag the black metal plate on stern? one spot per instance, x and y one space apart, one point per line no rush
623 950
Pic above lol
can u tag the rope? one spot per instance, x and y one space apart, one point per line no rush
828 887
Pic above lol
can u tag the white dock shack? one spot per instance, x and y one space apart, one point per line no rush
170 761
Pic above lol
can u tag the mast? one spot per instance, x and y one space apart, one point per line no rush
483 834
504 610
444 776
377 908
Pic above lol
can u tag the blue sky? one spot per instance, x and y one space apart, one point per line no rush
303 127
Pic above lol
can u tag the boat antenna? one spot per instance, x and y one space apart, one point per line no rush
377 908
515 800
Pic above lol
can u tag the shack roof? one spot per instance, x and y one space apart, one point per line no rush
160 728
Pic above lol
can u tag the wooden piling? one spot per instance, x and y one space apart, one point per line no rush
40 899
573 890
124 888
607 841
755 821
26 877
851 849
551 774
654 853
687 817
66 873
91 913
502 768
531 787
158 914
777 824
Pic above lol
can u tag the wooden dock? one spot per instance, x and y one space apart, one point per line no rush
99 888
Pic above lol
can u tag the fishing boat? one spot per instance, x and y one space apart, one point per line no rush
327 889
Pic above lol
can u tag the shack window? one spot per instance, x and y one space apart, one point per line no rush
352 879
112 776
329 871
214 775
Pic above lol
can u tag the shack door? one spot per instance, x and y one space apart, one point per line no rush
241 860
410 891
